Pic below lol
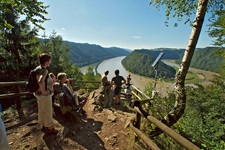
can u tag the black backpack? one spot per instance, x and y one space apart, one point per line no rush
32 83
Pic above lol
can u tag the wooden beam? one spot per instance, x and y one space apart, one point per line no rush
177 137
144 138
10 95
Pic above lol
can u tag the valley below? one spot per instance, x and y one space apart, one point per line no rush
194 76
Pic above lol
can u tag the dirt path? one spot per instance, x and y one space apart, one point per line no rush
95 131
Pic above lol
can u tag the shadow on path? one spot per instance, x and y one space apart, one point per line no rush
83 131
87 136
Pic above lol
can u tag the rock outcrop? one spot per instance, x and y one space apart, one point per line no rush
96 100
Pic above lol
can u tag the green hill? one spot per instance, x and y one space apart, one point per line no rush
85 54
139 62
205 59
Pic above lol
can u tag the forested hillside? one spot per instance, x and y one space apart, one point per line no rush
206 59
139 62
85 54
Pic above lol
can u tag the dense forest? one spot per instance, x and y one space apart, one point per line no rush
206 59
139 62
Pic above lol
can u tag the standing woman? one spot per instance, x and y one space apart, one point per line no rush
44 95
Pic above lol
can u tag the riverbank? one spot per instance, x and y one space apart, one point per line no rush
94 66
204 76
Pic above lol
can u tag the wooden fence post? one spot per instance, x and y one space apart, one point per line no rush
18 99
137 124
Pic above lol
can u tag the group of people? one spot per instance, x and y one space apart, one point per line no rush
49 90
115 84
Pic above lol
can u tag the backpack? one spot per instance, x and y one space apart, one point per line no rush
32 83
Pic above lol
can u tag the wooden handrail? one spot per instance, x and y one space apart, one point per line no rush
139 91
177 137
11 95
4 84
136 95
23 83
144 138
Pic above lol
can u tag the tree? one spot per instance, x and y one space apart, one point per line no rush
217 29
17 45
33 11
180 9
90 75
204 116
60 53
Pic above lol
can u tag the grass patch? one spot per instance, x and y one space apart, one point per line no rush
192 78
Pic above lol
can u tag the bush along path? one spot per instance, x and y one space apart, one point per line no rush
99 129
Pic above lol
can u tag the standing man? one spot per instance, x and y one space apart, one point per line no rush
106 85
117 81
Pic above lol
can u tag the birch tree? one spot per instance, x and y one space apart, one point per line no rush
184 9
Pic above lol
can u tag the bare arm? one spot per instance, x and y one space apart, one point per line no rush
68 84
124 81
41 81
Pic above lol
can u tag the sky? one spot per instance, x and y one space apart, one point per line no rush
132 24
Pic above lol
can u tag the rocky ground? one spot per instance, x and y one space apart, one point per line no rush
97 130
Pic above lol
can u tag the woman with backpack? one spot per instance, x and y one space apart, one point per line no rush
44 94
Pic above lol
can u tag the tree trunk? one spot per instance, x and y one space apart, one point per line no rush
178 110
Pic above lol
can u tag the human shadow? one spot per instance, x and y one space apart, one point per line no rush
83 132
87 136
48 138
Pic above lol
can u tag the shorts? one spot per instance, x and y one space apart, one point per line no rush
117 90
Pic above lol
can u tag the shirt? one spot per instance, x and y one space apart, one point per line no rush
118 80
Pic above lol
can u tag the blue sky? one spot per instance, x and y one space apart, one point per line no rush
129 24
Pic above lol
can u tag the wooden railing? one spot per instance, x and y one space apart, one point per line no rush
19 91
135 124
138 94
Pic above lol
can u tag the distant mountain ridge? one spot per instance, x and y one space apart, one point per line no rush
169 53
83 54
206 59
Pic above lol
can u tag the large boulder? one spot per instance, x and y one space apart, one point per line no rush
96 100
